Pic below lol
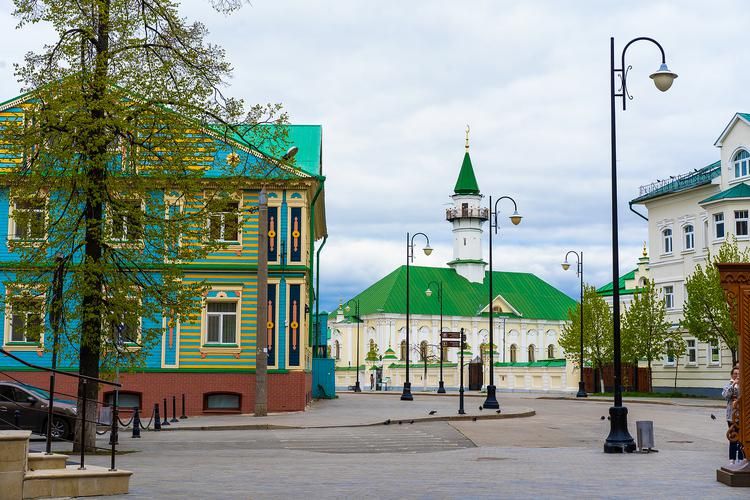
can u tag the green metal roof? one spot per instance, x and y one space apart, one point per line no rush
532 297
741 190
698 177
746 116
467 181
607 291
308 138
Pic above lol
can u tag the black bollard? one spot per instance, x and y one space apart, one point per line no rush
166 419
183 416
174 409
136 424
157 422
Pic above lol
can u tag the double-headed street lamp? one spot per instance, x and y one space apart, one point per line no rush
515 218
359 320
579 272
406 394
619 439
428 292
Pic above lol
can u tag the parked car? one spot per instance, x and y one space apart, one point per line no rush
31 404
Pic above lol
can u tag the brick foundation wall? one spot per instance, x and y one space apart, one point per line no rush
286 391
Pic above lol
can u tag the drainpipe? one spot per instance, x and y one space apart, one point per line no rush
630 204
321 182
317 287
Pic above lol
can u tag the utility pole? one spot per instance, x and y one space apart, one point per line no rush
261 353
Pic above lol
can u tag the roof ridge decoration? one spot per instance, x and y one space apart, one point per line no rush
467 181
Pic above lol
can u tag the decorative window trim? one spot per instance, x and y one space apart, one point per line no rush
229 244
12 239
212 347
124 243
10 345
740 166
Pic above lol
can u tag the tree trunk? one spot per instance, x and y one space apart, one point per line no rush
676 367
93 281
650 377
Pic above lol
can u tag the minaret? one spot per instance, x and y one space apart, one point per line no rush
467 217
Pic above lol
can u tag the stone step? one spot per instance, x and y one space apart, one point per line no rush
42 461
72 482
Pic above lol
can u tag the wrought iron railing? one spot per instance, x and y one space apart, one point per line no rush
682 181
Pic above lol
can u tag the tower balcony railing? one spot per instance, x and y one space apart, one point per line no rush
467 213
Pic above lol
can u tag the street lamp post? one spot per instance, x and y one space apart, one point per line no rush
406 394
619 439
356 315
579 272
428 292
491 401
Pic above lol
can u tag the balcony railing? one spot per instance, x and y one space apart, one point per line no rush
467 213
682 181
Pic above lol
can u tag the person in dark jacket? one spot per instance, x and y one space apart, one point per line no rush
731 392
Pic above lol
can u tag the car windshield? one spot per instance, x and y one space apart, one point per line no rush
43 395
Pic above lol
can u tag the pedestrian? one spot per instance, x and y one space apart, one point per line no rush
372 381
731 392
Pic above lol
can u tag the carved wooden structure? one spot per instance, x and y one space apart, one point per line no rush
735 280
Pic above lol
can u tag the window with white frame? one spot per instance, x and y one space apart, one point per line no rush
29 219
221 319
224 223
714 353
689 240
740 222
26 318
668 296
667 240
741 163
691 352
719 226
669 358
126 219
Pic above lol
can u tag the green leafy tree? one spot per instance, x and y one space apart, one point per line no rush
645 331
705 311
123 109
676 348
597 331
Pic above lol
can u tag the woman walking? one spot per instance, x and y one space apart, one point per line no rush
731 392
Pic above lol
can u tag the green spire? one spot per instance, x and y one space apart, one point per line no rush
467 181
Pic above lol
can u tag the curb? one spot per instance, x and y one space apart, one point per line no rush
526 412
635 401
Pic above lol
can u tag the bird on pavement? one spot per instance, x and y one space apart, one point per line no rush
603 417
432 412
498 411
474 419
713 417
387 422
400 422
411 421
481 408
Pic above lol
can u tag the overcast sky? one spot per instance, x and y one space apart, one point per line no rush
394 83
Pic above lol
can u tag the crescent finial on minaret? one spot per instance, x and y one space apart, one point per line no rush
467 137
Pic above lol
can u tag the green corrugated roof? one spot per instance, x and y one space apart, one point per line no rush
607 291
532 297
741 190
467 181
746 116
698 177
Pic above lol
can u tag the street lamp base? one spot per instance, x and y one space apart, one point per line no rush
441 388
406 395
357 388
581 390
491 401
619 439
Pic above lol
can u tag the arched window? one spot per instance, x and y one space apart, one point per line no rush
551 351
337 349
423 350
689 232
667 239
532 353
741 163
403 350
513 353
